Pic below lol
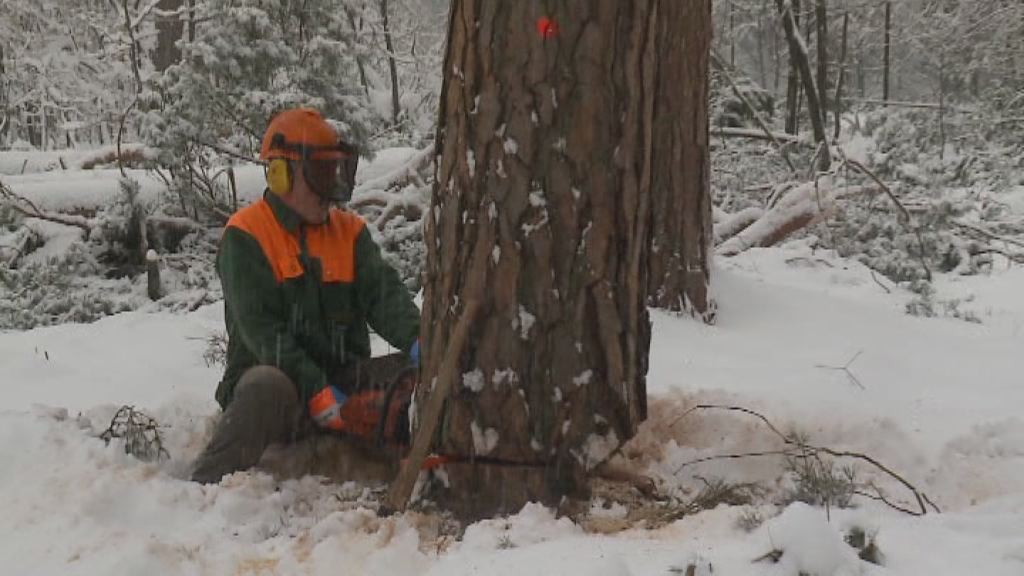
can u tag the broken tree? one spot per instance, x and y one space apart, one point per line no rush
549 130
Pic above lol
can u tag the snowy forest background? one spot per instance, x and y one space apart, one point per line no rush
870 304
175 94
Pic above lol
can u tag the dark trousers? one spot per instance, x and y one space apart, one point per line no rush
266 410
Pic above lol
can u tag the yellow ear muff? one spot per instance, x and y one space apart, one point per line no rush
279 177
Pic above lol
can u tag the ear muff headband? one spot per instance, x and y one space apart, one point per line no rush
279 176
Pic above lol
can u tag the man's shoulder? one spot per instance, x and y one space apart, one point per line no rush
251 216
349 223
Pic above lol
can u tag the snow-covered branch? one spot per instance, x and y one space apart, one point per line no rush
803 206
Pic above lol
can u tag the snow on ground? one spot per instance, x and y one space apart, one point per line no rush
49 188
95 188
938 399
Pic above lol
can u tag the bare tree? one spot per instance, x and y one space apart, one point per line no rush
170 27
821 42
841 79
793 80
798 49
886 63
396 107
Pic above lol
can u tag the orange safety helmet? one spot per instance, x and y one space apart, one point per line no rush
292 133
302 135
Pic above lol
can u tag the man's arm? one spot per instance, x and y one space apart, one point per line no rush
260 316
387 303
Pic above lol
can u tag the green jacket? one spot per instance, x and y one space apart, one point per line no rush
300 296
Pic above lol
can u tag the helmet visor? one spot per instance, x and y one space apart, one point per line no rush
331 179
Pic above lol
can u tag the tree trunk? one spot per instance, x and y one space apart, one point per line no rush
5 113
762 71
732 36
797 49
680 262
360 65
168 31
396 107
838 101
886 51
793 81
191 20
821 21
541 214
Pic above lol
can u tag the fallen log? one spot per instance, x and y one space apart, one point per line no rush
803 206
733 224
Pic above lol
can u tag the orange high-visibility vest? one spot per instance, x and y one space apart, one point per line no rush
333 242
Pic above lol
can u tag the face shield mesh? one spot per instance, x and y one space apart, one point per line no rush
331 179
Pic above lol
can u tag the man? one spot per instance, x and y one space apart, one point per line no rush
301 282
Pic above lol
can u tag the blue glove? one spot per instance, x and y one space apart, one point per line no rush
325 408
414 353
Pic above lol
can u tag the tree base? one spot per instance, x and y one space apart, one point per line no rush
478 490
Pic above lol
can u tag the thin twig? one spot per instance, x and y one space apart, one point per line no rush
988 234
879 282
231 153
846 368
747 411
797 448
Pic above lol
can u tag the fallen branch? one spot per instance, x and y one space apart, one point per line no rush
776 137
407 173
800 207
794 447
19 248
411 211
988 234
733 224
26 207
898 104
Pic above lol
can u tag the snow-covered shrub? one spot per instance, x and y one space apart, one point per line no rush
216 351
250 59
925 304
139 432
64 288
818 481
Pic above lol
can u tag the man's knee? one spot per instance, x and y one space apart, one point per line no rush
268 383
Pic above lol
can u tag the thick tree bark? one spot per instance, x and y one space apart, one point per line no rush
680 257
548 144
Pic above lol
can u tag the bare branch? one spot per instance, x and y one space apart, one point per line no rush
796 447
28 208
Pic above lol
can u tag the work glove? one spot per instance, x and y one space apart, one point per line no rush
325 408
414 353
